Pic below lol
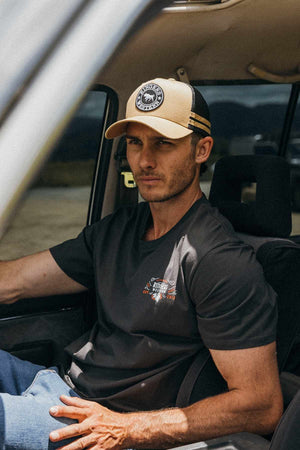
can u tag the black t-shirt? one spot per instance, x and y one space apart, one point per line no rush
160 302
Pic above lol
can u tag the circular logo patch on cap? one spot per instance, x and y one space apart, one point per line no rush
149 97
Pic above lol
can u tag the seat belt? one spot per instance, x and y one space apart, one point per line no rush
188 383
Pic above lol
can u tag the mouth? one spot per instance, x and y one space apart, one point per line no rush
148 180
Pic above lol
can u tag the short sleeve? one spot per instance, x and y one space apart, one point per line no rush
75 256
235 306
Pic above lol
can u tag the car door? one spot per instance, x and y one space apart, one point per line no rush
55 208
50 54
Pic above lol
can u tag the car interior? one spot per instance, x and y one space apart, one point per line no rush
243 56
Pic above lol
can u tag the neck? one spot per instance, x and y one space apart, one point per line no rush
166 214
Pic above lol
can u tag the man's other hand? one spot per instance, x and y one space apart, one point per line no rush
97 427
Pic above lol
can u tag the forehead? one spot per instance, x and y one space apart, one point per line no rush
143 131
135 129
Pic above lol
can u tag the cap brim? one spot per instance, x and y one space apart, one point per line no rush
164 127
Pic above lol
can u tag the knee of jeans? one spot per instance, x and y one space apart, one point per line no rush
4 354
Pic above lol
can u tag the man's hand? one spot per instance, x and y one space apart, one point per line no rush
98 427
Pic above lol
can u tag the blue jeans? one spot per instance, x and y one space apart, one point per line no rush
27 391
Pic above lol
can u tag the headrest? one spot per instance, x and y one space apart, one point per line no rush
270 213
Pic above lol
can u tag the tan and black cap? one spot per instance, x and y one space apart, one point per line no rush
172 108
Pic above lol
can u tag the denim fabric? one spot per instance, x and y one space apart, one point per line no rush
16 375
25 422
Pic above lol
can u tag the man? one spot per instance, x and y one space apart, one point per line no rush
172 282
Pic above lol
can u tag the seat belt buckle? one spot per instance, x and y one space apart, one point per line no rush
128 180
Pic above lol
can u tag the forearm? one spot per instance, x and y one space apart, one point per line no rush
24 277
10 288
215 416
35 275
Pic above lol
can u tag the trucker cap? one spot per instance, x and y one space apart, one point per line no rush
172 108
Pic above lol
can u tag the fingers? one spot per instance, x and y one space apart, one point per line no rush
67 411
80 444
76 409
73 430
75 401
90 426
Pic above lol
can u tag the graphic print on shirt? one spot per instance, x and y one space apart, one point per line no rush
160 289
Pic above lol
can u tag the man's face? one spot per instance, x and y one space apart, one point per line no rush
163 168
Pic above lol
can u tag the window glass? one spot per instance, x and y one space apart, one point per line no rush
293 155
55 207
246 119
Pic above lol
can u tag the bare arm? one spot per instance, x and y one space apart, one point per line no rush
253 403
34 276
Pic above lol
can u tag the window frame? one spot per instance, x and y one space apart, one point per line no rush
289 120
103 157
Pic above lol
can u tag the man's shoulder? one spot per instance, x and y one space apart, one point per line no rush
212 242
209 228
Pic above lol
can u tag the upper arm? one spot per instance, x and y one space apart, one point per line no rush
235 306
252 373
34 276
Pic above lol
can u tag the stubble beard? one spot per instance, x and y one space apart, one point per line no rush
181 180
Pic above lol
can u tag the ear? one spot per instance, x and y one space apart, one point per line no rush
203 149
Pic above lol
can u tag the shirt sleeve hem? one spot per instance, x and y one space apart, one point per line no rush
235 345
76 278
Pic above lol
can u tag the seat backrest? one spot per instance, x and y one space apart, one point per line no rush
280 260
287 433
268 216
270 213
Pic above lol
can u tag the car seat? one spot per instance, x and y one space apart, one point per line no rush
265 224
270 213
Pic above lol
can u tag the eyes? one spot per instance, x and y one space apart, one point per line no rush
133 141
165 142
157 143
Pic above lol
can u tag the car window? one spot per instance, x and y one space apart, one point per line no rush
55 207
248 119
293 156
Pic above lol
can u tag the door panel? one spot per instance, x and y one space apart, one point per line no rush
31 332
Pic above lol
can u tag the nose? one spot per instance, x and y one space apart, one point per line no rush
147 157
